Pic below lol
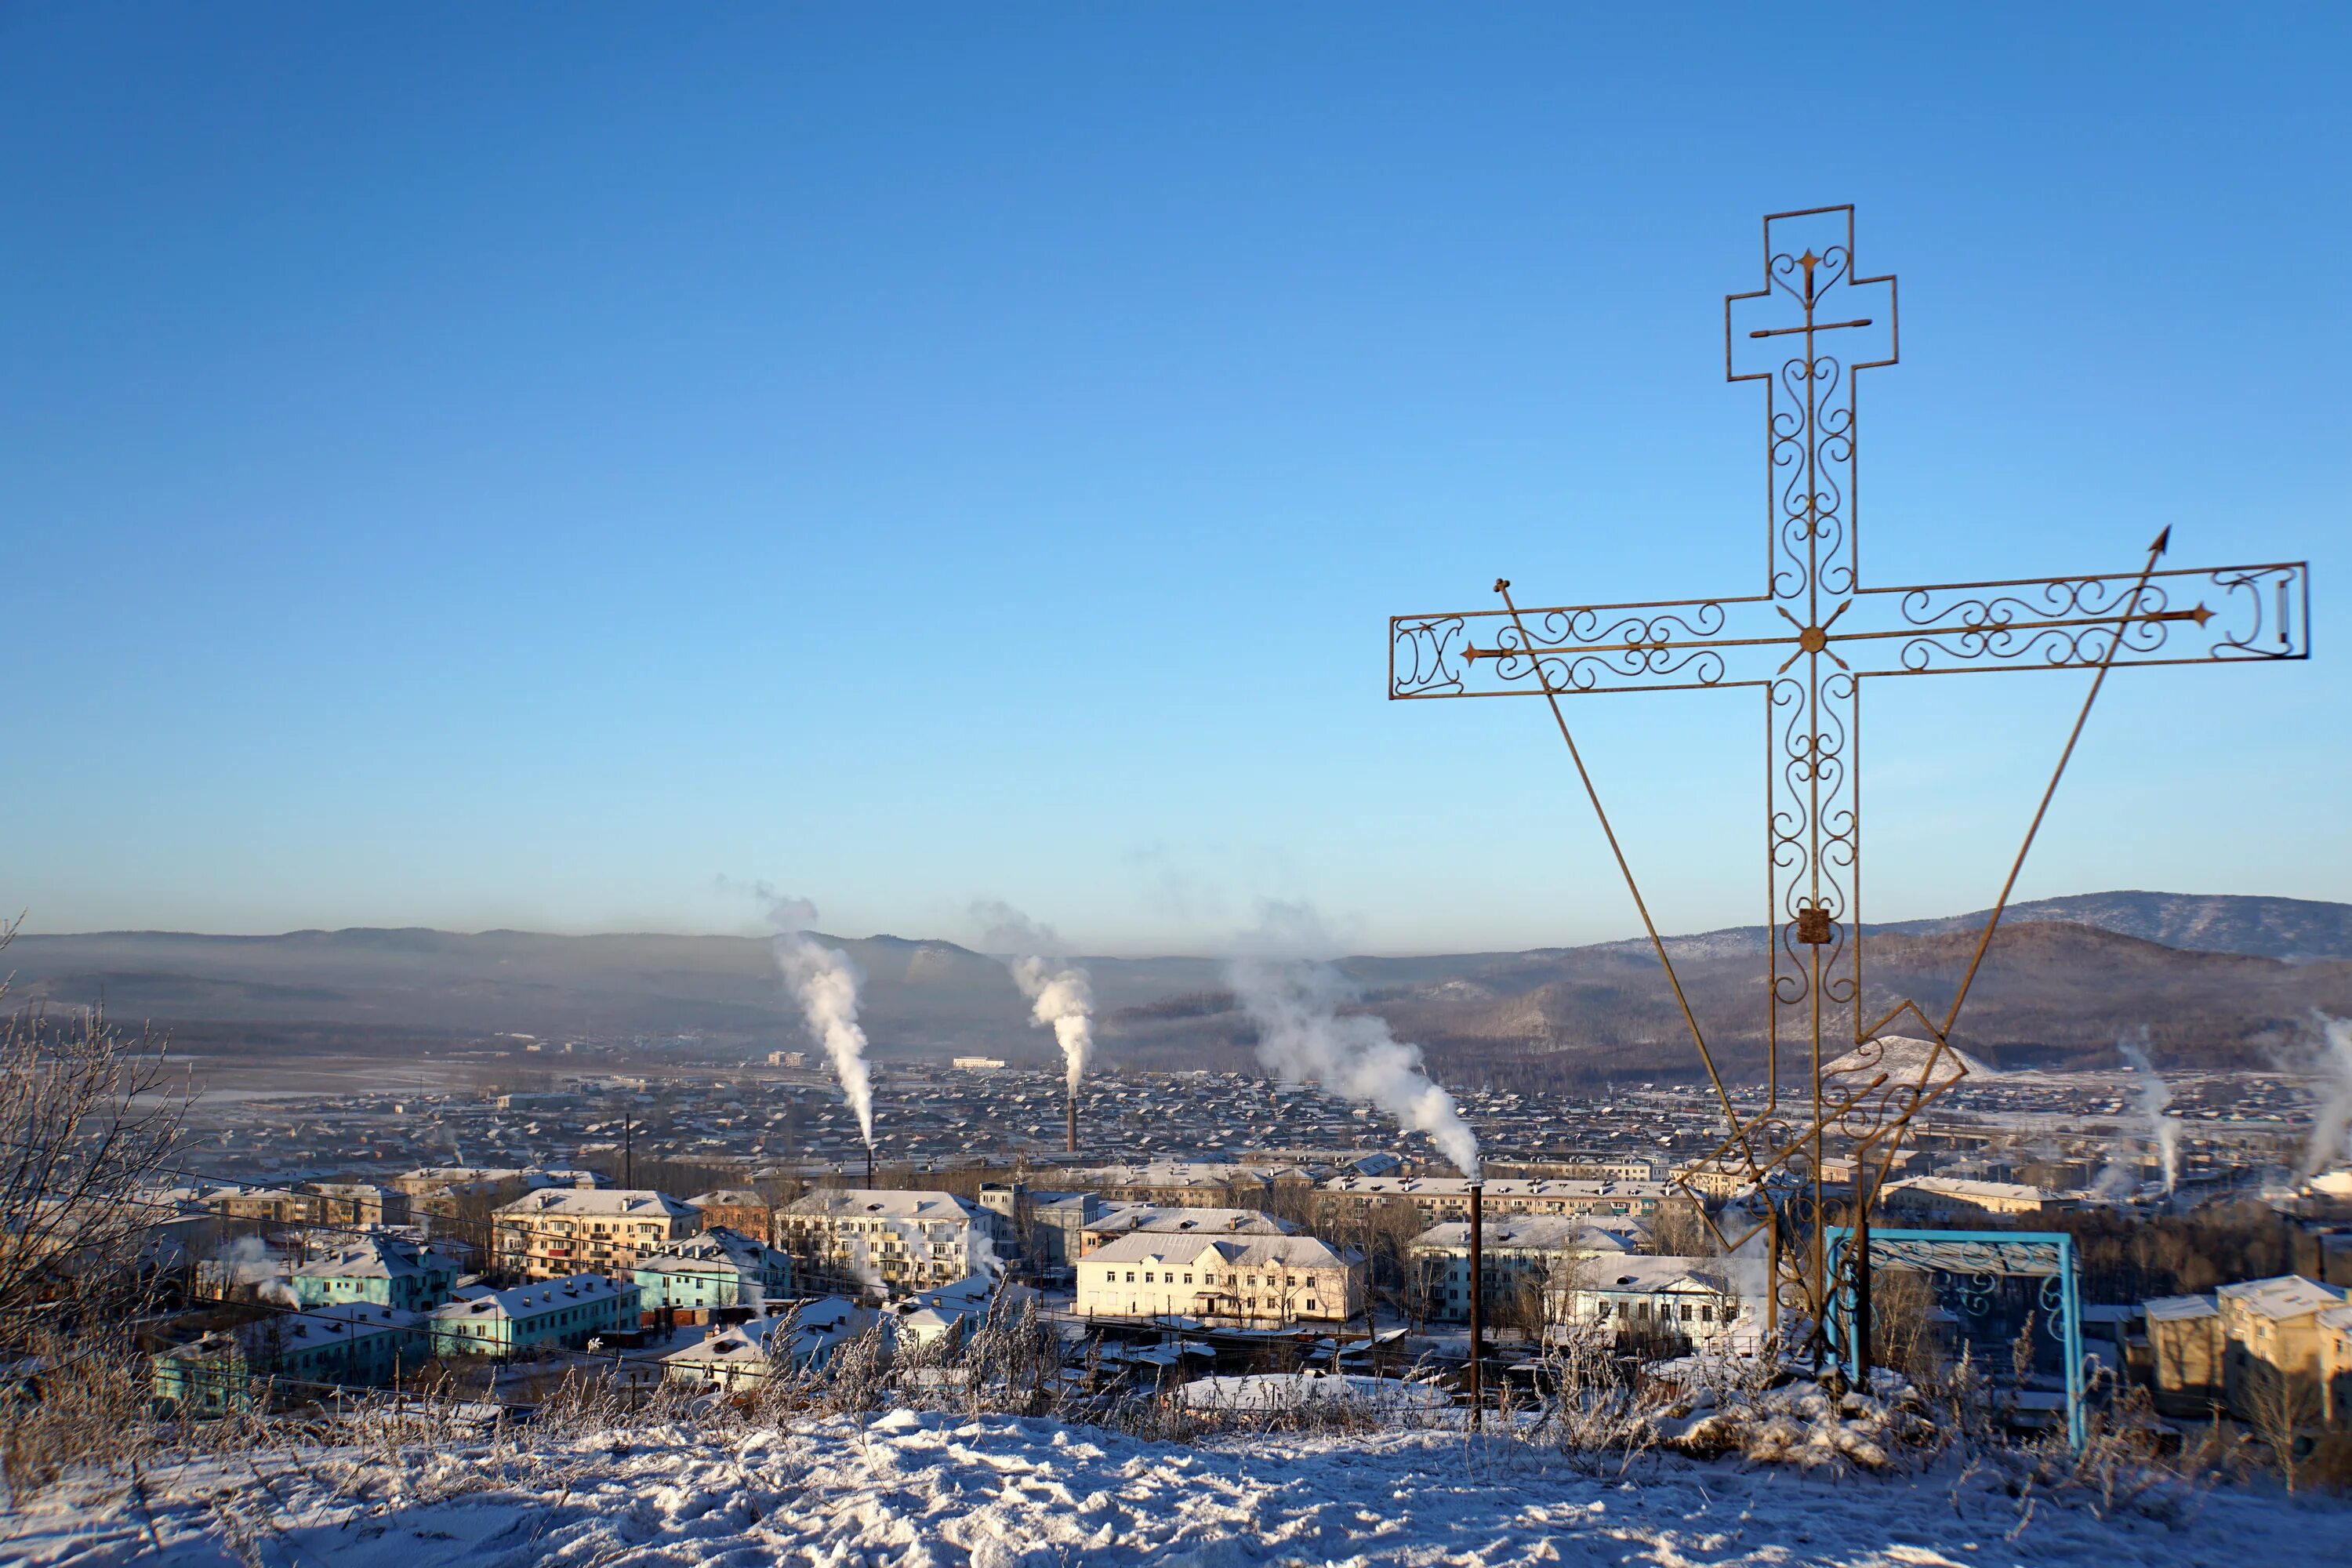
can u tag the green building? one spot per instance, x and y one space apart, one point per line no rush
563 1314
386 1270
721 1268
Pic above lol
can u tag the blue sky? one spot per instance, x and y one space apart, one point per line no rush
519 466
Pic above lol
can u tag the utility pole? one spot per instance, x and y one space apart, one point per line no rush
1477 1303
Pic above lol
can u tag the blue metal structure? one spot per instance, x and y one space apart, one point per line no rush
1981 1259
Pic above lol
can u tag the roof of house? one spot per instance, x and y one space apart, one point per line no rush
623 1202
1967 1187
531 1300
2283 1296
377 1256
882 1202
719 1245
2338 1317
729 1198
2179 1309
1639 1275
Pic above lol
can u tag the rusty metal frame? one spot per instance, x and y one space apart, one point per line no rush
2098 622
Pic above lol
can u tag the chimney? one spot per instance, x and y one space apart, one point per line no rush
869 1164
1477 1301
1074 1122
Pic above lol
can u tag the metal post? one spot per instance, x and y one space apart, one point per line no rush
1860 1327
2070 1304
1477 1301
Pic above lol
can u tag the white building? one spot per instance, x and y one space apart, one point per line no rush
1258 1281
1963 1196
556 1231
882 1237
804 1335
1545 1254
1713 1302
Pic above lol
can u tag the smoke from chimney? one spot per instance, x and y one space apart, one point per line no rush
825 983
1061 994
1302 1037
2152 1094
2333 1120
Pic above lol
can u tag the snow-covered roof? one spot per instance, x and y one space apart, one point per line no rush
882 1202
717 1246
2337 1318
531 1300
376 1257
2179 1309
1645 1276
730 1199
1966 1187
590 1202
1903 1057
2284 1295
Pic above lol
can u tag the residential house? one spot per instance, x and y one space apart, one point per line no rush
883 1237
563 1314
719 1267
556 1231
802 1335
1254 1280
1711 1301
388 1270
2271 1329
353 1344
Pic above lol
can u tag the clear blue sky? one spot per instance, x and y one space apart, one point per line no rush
514 466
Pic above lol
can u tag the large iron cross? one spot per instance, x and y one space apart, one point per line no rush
1806 644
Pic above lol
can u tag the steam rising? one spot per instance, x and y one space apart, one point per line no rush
1060 994
1303 1038
2152 1095
2333 1120
825 982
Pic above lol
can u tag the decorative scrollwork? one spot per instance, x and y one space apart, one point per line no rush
1424 654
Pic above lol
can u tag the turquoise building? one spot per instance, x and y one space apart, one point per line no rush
386 1270
721 1268
563 1314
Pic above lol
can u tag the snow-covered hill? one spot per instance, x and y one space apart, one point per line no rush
931 1491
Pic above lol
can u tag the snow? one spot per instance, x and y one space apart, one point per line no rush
930 1490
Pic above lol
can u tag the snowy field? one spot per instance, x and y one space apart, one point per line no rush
912 1490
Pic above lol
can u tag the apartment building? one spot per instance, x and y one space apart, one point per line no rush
1260 1281
739 1209
351 1345
558 1231
1962 1197
354 1205
885 1238
1441 1199
1530 1264
568 1313
1162 1220
1186 1184
386 1270
719 1267
2271 1332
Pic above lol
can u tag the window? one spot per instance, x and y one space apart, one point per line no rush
1188 1279
1131 1276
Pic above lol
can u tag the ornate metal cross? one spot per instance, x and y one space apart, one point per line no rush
1807 644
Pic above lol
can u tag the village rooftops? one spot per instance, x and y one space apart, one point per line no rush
2286 1296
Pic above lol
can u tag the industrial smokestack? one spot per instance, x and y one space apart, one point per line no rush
869 1164
1477 1301
1074 1120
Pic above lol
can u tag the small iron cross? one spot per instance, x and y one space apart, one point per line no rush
1806 644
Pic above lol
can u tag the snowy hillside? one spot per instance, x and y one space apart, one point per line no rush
926 1491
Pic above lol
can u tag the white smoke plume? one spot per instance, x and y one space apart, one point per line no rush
1302 1037
2332 1122
825 983
2152 1095
1061 994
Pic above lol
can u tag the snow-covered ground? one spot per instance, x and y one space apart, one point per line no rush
911 1490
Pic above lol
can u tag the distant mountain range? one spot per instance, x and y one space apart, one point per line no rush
2216 978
